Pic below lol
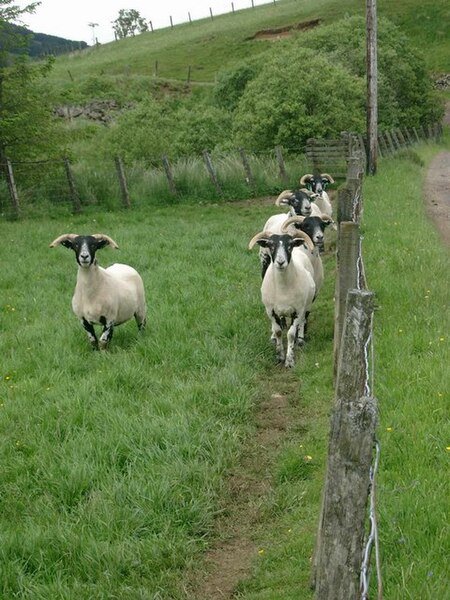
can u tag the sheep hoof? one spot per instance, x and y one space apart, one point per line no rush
300 341
290 363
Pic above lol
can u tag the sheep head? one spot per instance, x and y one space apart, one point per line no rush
84 246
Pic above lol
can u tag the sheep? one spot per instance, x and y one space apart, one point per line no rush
106 296
317 183
299 202
314 227
287 290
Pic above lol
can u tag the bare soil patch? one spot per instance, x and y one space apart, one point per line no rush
281 32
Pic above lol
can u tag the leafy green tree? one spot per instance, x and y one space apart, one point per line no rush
128 23
405 94
231 84
298 94
26 124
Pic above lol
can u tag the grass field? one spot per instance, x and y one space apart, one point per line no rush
115 464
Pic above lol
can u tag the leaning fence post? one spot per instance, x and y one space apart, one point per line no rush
169 175
211 171
122 182
248 172
281 166
72 188
12 189
340 538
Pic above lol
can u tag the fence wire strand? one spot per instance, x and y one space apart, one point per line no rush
372 539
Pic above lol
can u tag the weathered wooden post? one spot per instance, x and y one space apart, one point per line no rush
248 172
72 188
396 139
211 13
122 182
347 277
390 141
211 171
372 85
188 80
281 166
339 547
171 22
169 175
12 189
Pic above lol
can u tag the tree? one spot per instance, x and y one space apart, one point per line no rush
129 22
25 117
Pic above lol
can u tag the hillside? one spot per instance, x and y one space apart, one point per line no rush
202 48
42 44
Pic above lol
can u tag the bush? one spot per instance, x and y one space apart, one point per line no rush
286 103
405 90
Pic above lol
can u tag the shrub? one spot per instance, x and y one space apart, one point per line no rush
286 103
405 90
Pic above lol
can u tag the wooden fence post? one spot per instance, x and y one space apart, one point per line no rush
72 188
122 182
338 557
281 166
248 172
347 277
390 141
169 175
12 189
211 171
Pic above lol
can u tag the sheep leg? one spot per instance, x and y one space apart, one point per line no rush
276 337
291 339
140 321
90 333
107 333
301 336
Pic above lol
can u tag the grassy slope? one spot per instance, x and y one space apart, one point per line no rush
208 46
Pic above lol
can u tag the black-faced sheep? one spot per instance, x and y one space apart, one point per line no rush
107 297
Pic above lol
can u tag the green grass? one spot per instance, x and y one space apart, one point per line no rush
209 46
115 464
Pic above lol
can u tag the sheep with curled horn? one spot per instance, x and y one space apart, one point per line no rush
287 290
108 297
299 203
318 183
314 227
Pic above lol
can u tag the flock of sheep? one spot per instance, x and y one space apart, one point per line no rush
292 271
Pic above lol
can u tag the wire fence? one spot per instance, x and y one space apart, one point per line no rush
32 186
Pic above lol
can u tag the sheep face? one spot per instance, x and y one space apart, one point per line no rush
85 247
318 183
314 227
280 248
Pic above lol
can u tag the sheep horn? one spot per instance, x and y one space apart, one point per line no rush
329 220
259 236
305 237
325 175
309 193
296 219
285 195
305 178
63 238
106 238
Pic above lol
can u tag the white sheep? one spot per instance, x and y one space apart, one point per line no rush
107 297
317 183
314 227
299 203
287 290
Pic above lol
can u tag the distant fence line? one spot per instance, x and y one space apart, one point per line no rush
332 155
